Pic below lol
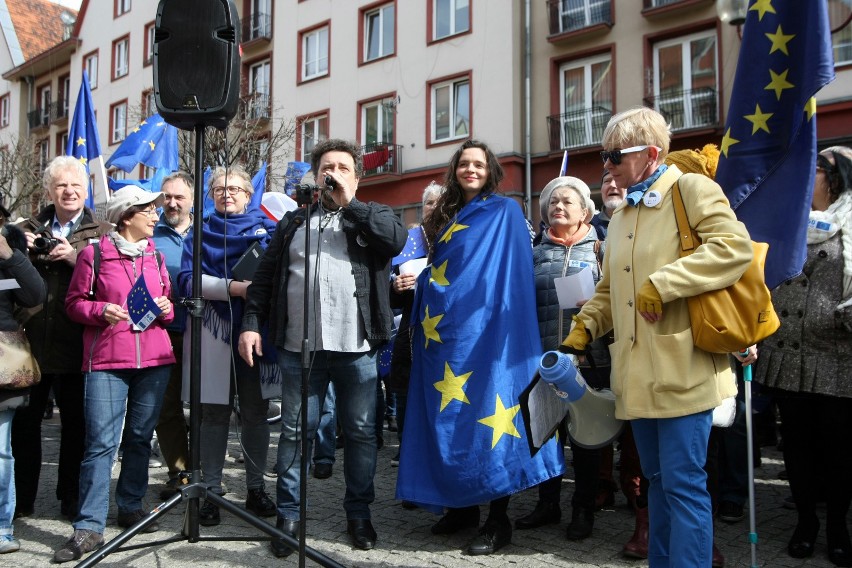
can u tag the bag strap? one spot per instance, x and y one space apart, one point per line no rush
687 236
96 266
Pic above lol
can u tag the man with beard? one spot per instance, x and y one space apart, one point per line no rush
169 233
612 196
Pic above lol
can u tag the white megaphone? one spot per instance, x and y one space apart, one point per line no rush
593 423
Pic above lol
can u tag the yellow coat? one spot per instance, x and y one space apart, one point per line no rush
657 372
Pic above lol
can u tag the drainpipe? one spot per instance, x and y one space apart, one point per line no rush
527 143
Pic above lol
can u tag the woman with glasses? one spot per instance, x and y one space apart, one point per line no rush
663 384
228 232
120 292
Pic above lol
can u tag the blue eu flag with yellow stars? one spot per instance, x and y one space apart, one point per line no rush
415 247
141 306
769 147
475 347
152 142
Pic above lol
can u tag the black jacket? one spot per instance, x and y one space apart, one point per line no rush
374 235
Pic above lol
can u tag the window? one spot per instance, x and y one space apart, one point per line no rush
685 75
261 19
64 94
118 122
90 66
61 143
450 17
121 7
315 53
149 45
259 82
149 103
379 32
579 14
314 130
585 104
377 121
4 111
841 40
120 57
43 149
45 97
450 101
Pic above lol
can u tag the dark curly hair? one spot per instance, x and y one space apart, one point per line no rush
338 145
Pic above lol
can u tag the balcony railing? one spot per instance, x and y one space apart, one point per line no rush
579 128
38 118
58 111
257 26
566 16
381 158
256 107
688 109
646 4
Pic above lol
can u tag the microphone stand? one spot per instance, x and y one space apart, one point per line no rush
197 489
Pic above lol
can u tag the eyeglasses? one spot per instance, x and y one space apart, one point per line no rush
219 190
615 156
152 212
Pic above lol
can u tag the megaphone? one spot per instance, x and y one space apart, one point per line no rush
593 423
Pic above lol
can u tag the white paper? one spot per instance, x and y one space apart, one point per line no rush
414 266
574 288
9 284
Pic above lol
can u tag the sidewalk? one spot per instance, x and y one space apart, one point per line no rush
404 538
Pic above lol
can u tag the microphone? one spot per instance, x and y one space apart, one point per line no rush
330 183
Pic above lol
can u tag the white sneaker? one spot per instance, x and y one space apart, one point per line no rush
8 543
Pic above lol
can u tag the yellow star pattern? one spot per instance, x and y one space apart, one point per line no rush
152 146
81 141
779 41
451 387
454 228
727 142
439 274
762 6
135 130
429 327
778 83
502 421
811 107
758 120
83 160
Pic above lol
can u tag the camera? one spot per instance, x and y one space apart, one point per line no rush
44 245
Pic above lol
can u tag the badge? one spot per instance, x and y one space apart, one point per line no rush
652 198
361 240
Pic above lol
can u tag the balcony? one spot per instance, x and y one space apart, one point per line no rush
256 107
684 110
58 111
257 26
649 4
577 129
566 16
38 118
381 158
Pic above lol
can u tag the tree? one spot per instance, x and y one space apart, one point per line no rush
21 170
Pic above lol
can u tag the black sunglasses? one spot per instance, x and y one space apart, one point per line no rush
615 156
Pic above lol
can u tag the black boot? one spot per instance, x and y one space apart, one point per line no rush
582 523
279 548
493 536
545 513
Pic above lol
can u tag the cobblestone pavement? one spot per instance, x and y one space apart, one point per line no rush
404 538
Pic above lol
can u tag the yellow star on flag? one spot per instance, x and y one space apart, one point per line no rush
758 119
83 160
152 145
779 41
439 274
429 327
727 142
762 6
81 141
451 387
502 421
135 130
454 228
778 83
811 107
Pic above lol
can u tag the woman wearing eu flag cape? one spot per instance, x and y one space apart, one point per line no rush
475 347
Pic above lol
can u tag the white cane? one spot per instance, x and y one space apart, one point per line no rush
752 525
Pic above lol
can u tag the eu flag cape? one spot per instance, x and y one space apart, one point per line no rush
769 148
475 347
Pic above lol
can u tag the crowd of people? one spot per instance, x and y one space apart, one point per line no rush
102 313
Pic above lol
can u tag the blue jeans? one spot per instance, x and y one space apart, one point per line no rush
354 379
107 394
326 431
672 452
7 472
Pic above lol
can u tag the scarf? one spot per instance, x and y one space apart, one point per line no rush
635 192
133 250
578 236
822 225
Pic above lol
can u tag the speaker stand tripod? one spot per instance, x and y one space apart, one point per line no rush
196 489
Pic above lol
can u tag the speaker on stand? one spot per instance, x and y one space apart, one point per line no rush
197 84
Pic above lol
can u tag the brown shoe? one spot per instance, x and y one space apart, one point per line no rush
81 542
637 546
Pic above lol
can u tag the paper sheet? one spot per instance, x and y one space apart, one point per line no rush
574 288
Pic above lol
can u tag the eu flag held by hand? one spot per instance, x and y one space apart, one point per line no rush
152 142
141 306
769 147
415 247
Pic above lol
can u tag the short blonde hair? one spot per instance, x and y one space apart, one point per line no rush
231 172
638 127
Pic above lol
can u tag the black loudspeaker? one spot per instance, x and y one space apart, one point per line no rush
197 62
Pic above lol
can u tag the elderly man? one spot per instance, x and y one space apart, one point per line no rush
349 317
169 233
67 226
612 196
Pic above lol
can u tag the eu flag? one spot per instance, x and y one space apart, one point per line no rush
85 144
152 142
415 247
769 147
475 347
141 307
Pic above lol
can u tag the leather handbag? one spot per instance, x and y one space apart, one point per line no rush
18 367
733 318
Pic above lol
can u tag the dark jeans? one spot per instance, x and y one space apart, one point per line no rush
26 438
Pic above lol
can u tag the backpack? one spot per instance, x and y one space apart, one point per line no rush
96 266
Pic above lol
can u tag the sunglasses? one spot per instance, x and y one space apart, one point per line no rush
615 156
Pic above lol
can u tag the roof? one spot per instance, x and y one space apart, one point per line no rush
37 25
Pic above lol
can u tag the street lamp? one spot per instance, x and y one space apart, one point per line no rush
732 11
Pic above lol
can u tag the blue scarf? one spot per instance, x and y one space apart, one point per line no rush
635 192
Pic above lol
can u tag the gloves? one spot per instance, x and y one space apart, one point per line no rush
648 299
576 342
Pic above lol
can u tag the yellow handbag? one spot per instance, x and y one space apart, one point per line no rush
733 318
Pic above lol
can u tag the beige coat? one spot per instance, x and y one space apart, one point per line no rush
657 372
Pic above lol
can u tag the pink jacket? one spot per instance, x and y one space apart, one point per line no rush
118 346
